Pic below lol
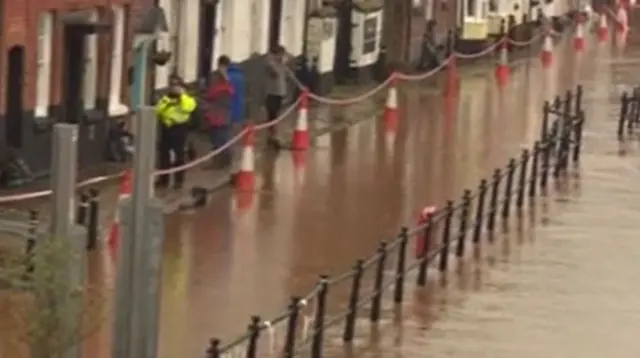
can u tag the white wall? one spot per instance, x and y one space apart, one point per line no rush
322 41
291 25
357 38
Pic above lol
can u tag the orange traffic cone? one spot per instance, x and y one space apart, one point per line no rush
301 133
578 39
502 69
390 116
546 54
124 193
245 176
603 27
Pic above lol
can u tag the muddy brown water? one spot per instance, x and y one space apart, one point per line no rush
562 285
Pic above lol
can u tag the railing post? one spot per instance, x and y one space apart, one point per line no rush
544 128
568 101
81 215
398 292
379 281
579 94
477 230
214 348
292 325
624 104
506 204
534 170
446 237
92 223
254 329
464 219
32 238
546 163
522 179
578 138
318 323
493 203
426 248
353 302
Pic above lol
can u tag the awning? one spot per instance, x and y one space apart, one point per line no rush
152 21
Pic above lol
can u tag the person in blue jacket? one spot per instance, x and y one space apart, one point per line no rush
236 78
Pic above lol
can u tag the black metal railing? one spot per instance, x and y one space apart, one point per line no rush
629 115
477 214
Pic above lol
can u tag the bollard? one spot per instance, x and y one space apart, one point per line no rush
579 94
350 321
544 129
624 103
377 296
578 138
506 204
81 214
477 230
254 336
522 179
546 162
568 101
426 248
557 102
292 325
464 218
636 115
32 236
214 348
493 204
92 222
318 322
398 291
534 171
632 108
446 239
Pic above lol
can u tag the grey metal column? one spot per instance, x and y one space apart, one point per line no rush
63 223
136 326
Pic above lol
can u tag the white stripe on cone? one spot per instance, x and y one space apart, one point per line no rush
392 98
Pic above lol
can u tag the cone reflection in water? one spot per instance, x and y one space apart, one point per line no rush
546 54
124 193
299 165
451 77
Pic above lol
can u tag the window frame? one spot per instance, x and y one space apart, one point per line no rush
90 80
118 37
44 57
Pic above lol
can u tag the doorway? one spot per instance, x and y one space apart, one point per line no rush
208 13
73 73
275 17
13 97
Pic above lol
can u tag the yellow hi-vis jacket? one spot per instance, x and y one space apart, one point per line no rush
171 113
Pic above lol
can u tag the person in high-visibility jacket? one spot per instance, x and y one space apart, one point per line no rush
174 113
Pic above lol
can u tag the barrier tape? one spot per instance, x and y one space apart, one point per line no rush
321 99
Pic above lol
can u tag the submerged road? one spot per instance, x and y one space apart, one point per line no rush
247 253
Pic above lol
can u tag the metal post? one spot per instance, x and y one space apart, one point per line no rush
137 301
63 222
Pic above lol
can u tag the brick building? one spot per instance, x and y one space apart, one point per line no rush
63 61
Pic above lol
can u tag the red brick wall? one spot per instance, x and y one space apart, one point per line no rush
20 28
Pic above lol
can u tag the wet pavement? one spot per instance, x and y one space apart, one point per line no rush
563 286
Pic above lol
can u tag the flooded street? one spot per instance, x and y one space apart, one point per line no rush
565 285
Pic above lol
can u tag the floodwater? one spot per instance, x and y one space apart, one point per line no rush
564 286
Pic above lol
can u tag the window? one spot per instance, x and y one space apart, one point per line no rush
90 81
116 108
43 69
472 8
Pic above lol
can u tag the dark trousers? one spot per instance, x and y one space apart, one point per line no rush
273 105
172 140
219 136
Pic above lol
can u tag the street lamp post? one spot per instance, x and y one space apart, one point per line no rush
137 286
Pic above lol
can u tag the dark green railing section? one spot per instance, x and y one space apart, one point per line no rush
457 224
629 115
